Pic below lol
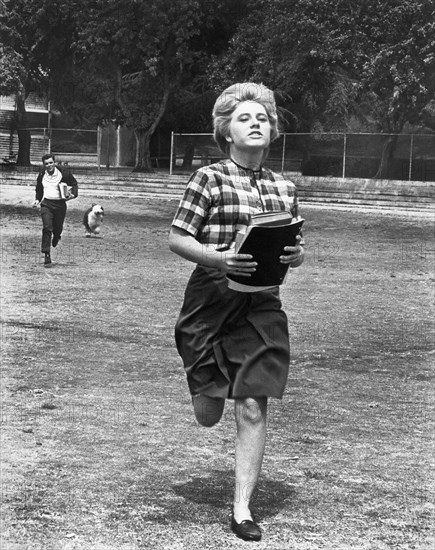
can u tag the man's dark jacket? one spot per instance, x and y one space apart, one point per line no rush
67 178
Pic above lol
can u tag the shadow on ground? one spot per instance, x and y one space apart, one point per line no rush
216 491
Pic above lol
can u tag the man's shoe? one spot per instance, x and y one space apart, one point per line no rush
47 260
246 530
55 241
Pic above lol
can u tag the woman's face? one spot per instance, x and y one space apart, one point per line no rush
250 127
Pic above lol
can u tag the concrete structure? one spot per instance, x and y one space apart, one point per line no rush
335 191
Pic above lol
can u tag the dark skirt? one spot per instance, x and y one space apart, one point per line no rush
233 344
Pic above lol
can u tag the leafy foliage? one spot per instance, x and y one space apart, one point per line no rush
139 56
34 43
334 64
11 73
333 61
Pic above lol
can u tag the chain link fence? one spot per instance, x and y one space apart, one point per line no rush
409 157
406 157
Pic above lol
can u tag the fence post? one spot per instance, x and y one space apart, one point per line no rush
344 155
172 153
118 147
283 155
410 158
99 147
49 126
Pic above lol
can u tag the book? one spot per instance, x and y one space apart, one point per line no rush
65 191
265 239
63 188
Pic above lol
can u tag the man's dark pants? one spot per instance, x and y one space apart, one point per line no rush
53 215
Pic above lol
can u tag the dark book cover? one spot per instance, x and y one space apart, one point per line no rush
266 244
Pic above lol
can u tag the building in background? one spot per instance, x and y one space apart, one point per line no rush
106 146
38 116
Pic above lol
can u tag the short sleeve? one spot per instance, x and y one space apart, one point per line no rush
193 209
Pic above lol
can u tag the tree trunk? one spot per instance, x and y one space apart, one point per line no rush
189 153
143 157
24 137
143 136
386 157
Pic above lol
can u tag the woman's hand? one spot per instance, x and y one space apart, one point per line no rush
183 243
236 264
294 255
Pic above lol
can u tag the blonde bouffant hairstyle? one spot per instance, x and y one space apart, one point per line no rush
227 103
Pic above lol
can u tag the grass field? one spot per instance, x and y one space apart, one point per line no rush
100 449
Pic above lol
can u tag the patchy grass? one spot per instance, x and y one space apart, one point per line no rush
100 448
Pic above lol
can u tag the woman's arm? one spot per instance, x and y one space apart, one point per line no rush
185 245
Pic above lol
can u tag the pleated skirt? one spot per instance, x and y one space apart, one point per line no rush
233 344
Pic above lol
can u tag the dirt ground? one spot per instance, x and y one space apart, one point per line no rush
100 449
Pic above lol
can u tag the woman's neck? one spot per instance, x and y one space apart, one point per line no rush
250 160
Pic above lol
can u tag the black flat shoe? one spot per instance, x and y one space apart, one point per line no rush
246 529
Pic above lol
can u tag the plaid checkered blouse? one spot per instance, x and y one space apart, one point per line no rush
220 199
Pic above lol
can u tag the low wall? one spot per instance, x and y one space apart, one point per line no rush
365 191
416 194
77 159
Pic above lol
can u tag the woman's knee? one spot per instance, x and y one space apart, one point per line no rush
208 410
251 410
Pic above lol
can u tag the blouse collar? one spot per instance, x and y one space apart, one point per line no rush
257 173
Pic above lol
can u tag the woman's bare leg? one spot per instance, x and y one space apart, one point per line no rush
251 416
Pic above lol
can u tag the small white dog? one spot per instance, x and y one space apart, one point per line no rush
93 219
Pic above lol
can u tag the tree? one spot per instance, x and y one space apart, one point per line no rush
263 50
398 68
373 60
57 22
19 69
190 106
141 52
35 42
